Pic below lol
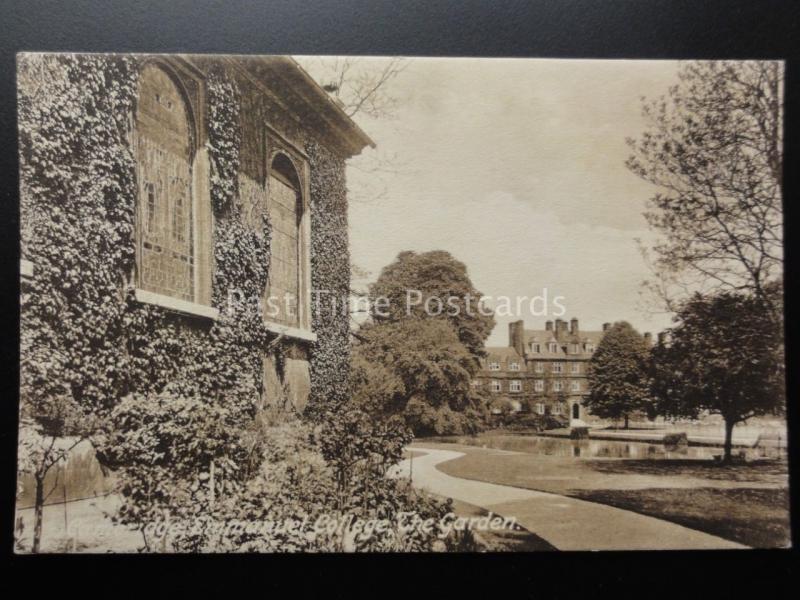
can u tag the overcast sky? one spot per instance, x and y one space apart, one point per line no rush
516 167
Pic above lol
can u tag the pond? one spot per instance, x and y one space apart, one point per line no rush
563 447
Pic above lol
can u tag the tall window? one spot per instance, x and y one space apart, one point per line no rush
576 386
515 385
540 367
576 367
164 155
538 385
286 212
558 386
558 367
496 387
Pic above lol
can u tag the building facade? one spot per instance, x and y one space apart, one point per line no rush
238 188
543 371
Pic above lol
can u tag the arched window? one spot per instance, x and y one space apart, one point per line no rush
164 153
286 213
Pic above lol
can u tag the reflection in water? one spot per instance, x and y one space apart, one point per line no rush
548 446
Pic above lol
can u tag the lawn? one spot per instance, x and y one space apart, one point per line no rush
755 517
747 503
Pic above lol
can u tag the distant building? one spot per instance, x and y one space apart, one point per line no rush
542 370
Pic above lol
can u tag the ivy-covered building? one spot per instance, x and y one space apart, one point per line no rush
199 195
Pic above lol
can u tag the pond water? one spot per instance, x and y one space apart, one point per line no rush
563 447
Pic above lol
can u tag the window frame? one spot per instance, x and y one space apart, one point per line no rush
197 307
277 144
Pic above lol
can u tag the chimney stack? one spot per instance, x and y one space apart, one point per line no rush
548 326
573 326
606 326
516 336
561 329
648 338
662 337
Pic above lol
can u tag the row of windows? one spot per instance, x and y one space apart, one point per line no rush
559 408
173 239
515 385
553 347
557 367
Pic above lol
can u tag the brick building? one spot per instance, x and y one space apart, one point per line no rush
542 370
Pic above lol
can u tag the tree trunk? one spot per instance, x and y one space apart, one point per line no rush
626 421
729 423
38 510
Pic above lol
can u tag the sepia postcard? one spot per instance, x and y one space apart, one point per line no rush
382 304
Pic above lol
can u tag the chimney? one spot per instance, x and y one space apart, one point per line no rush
516 336
606 326
648 338
662 337
548 326
561 329
573 326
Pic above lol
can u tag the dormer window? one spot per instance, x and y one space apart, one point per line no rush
590 347
552 347
574 348
514 366
494 366
536 347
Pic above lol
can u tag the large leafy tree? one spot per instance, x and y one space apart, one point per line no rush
432 285
713 147
418 369
618 374
724 356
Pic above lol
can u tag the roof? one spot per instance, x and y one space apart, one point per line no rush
501 353
544 336
323 113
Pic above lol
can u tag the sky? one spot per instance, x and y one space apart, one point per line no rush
517 168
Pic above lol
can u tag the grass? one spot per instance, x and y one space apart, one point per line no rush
746 503
760 471
755 517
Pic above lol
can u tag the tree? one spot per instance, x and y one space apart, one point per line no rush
618 374
724 356
714 148
420 370
432 285
363 88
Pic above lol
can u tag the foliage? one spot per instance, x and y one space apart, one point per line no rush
724 356
444 286
417 368
618 374
714 147
330 279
